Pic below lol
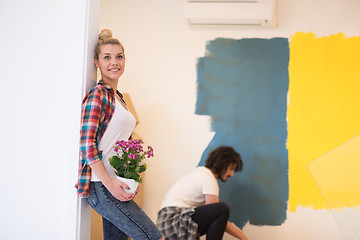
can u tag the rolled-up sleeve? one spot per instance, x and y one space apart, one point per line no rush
91 117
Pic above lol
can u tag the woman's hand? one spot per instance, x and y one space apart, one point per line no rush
116 188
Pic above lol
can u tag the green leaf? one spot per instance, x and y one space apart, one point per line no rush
114 162
135 176
127 174
142 168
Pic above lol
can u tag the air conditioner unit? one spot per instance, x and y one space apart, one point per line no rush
231 12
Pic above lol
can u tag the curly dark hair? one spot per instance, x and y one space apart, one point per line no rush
221 158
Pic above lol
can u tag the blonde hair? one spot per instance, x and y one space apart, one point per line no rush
105 37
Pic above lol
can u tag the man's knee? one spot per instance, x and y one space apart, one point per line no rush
225 210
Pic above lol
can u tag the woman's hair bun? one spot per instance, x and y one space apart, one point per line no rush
104 34
105 37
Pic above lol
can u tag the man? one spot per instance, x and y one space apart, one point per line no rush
191 207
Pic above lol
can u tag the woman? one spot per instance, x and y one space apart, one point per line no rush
105 120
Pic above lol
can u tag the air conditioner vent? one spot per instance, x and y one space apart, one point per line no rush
231 12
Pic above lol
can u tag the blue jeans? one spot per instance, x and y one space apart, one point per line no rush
121 219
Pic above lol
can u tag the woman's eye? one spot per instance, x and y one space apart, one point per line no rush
119 57
106 57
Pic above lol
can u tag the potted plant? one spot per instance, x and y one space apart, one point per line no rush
127 162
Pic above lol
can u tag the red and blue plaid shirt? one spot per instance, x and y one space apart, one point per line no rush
97 109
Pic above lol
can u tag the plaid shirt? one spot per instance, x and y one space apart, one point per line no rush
176 223
97 109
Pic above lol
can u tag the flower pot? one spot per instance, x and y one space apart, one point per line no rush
130 182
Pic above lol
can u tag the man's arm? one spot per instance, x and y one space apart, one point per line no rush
209 198
230 227
234 231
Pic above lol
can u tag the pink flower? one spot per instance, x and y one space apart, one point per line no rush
120 143
150 152
125 152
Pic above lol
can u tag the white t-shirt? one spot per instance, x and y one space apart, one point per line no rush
190 190
120 127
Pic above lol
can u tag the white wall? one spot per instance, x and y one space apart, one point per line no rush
160 75
41 65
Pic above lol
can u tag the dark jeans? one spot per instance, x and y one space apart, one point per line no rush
212 220
121 219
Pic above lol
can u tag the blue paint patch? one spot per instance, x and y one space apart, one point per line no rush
243 85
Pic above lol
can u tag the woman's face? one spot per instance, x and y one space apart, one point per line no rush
111 62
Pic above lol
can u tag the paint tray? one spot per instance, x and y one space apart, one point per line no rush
337 175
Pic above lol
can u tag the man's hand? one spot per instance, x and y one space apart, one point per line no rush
234 231
243 237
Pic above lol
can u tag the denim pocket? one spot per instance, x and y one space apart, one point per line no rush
93 199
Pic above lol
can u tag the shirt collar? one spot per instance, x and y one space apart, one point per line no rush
107 86
103 83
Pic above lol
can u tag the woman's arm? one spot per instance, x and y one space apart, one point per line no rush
91 116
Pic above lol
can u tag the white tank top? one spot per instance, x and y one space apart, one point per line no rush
120 127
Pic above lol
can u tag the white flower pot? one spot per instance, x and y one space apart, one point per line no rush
130 182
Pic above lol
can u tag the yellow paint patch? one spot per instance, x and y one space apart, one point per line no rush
324 107
336 173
